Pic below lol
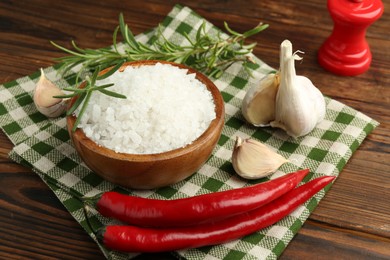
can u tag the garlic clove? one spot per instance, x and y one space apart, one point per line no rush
300 106
44 99
258 106
252 159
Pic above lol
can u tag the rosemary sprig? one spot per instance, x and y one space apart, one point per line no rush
210 55
84 94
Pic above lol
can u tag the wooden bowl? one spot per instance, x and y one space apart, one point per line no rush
148 171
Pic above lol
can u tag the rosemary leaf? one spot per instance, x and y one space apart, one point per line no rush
76 104
112 70
114 37
112 93
255 30
101 86
126 33
82 110
201 30
65 95
230 30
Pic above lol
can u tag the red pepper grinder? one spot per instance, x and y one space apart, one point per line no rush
346 51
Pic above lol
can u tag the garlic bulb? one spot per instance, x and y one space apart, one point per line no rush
44 98
299 104
258 106
252 159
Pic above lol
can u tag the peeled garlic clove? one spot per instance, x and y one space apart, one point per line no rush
258 106
252 159
44 98
300 106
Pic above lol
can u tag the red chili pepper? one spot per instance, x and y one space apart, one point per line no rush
196 209
138 239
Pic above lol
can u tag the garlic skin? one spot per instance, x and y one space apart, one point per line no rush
44 100
300 106
258 106
252 159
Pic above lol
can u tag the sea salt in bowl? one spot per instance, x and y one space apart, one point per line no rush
145 169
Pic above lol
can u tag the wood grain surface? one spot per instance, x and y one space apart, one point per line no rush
351 222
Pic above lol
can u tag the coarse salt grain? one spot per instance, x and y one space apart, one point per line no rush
165 109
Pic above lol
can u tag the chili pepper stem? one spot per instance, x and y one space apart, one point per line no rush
97 232
91 201
86 210
100 233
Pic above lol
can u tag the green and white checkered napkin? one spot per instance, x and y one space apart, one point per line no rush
44 145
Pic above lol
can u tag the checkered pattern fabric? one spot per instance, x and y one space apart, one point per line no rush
44 145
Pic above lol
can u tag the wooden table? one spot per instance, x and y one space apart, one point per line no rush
352 222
